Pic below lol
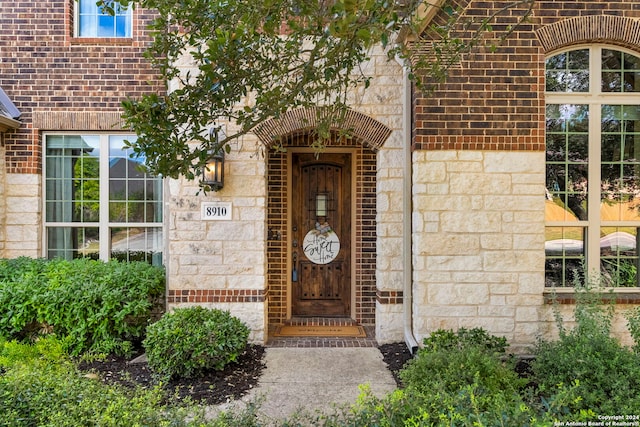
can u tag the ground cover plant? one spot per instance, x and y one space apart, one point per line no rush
40 386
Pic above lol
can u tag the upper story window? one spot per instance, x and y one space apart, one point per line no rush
99 201
592 212
92 21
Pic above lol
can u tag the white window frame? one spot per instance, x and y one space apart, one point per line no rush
76 26
595 98
104 225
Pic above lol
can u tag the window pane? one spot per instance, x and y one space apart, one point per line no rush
619 256
73 242
123 27
134 195
137 244
72 178
568 72
567 157
88 7
620 169
564 250
620 71
94 22
88 27
106 26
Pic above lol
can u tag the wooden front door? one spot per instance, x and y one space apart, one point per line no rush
321 234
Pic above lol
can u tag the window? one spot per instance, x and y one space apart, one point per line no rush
99 202
592 211
92 21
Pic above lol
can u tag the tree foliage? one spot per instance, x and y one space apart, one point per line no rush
242 62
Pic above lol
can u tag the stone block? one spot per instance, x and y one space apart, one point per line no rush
527 314
501 326
445 311
441 156
524 261
493 278
474 183
496 241
430 173
531 283
516 162
503 311
439 203
454 263
455 244
471 222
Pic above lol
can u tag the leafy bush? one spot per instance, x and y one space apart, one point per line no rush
451 370
39 386
188 341
633 318
464 338
102 307
607 373
405 407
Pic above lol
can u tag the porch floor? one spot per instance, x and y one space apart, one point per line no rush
319 342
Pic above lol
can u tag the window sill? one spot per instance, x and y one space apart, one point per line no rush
617 295
124 41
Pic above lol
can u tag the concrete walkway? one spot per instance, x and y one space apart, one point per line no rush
312 379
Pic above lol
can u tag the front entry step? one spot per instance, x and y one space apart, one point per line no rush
320 321
322 341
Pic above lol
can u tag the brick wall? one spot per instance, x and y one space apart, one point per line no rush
479 170
492 100
43 68
495 100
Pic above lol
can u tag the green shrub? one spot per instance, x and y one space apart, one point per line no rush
102 307
633 319
460 375
188 341
464 338
607 373
451 360
450 371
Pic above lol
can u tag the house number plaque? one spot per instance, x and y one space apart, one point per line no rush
321 246
216 211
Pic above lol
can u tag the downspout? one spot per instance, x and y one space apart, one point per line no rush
423 15
407 209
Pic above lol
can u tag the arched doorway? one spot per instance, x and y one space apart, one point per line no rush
341 184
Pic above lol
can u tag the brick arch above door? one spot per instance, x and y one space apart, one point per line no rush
365 129
618 30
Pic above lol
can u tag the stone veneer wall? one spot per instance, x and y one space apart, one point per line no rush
23 197
221 263
385 101
479 242
3 203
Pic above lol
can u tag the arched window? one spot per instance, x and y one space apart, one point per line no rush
592 210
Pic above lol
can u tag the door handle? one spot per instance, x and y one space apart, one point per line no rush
294 272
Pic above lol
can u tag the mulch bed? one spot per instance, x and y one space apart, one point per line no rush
214 387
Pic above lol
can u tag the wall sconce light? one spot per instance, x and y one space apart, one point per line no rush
213 170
